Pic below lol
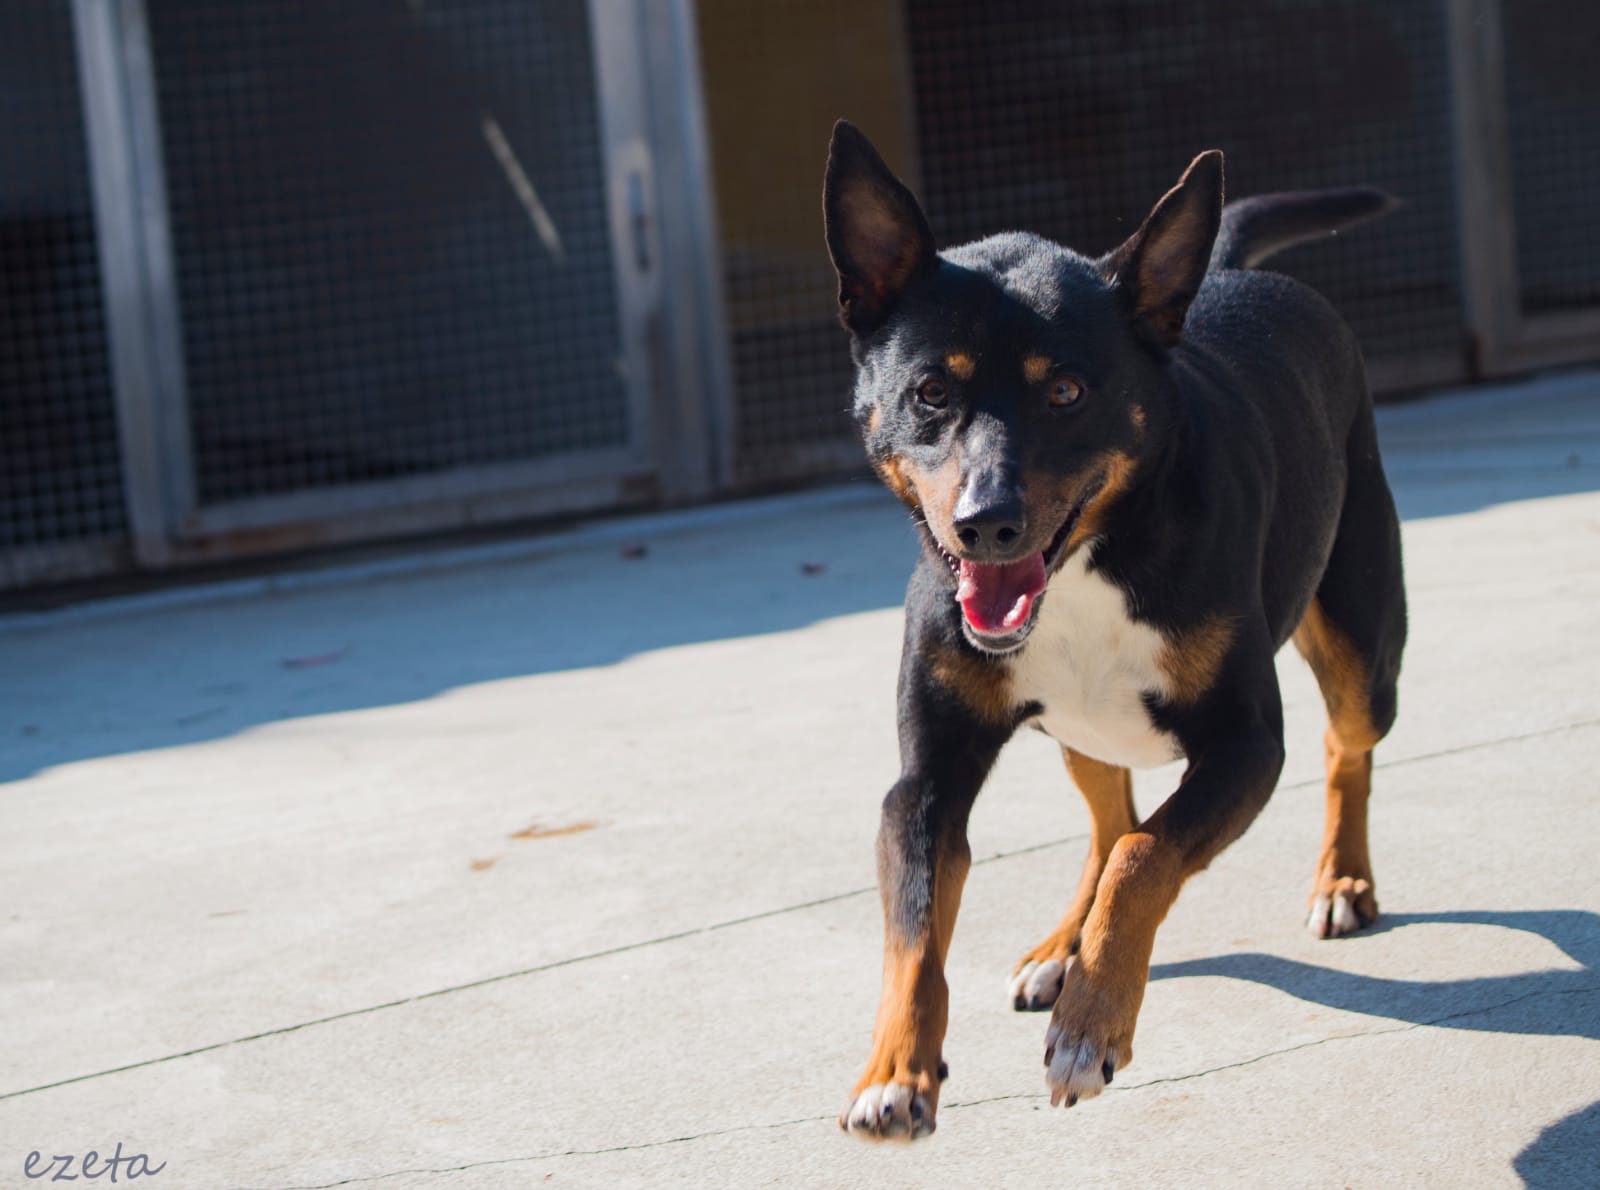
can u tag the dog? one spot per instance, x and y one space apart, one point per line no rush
1135 478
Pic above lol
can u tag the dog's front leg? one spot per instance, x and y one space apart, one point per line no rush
922 864
1091 1029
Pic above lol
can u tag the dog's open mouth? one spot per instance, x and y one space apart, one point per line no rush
996 600
1000 600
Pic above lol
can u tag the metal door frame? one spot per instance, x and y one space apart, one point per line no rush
641 55
689 330
114 73
49 562
1507 340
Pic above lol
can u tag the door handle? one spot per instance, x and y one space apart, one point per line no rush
639 219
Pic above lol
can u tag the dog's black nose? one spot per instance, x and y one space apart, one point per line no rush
990 518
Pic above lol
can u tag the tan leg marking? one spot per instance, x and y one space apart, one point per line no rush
1108 790
1343 896
897 1096
1091 1028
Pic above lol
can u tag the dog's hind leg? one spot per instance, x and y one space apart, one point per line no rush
1108 790
1352 635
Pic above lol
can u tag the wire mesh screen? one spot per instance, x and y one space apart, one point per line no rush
391 237
1072 119
793 378
1069 120
776 76
60 476
1553 122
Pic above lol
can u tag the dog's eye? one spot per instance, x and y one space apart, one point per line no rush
931 392
1064 391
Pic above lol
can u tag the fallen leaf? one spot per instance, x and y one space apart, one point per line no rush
534 831
312 661
483 865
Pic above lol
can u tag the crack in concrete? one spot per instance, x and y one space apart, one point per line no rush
699 930
554 1155
535 970
953 1105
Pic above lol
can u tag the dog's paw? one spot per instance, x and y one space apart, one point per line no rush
1076 1068
1090 1038
1342 906
892 1111
1037 978
1036 984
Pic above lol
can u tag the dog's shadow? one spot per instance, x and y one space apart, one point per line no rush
1548 1002
1518 1003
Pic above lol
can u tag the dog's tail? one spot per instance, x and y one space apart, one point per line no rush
1258 227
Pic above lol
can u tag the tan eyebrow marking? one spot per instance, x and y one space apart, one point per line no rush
961 365
1035 368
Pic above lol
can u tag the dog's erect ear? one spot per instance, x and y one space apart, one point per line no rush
877 234
1161 265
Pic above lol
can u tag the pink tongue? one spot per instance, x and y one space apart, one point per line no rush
997 599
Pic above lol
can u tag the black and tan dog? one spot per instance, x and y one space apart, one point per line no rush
1136 476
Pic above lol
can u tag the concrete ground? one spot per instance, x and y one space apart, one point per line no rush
544 864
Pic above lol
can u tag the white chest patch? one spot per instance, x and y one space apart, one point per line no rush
1089 664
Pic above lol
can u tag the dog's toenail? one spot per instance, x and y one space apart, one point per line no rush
1049 1052
916 1109
1107 1070
1072 1101
944 1071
